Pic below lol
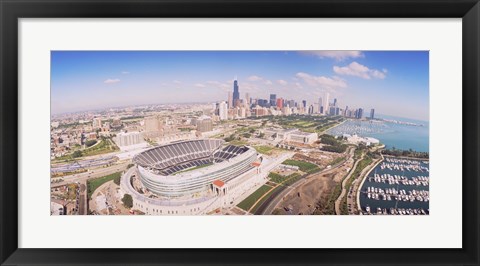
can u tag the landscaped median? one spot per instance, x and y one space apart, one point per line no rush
247 203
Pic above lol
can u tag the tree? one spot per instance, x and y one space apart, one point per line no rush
246 135
90 143
116 180
77 154
127 201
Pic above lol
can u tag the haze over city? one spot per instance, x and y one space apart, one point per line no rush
394 83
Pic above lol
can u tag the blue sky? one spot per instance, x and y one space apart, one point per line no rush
393 82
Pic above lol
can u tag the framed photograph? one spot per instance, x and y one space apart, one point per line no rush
210 132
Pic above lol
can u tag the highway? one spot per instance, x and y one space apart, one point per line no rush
95 173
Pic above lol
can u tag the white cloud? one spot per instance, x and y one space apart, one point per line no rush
322 81
254 78
219 85
298 85
268 82
358 70
282 82
177 82
337 55
111 81
125 72
199 85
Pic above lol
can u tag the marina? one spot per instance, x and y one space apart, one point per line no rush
397 186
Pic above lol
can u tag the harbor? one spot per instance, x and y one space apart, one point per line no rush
397 186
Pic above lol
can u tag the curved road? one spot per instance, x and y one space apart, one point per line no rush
344 190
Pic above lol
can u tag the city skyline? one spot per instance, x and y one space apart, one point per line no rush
394 82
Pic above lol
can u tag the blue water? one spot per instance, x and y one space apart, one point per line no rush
399 136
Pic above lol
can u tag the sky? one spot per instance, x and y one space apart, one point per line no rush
393 82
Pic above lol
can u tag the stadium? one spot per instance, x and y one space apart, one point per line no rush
193 176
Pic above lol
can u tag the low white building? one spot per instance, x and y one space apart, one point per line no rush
293 135
355 139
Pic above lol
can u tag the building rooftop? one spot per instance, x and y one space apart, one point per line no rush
218 183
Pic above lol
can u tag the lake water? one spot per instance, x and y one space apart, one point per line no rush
399 136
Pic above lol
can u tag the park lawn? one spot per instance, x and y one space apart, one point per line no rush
101 147
264 149
303 166
93 184
291 179
277 178
247 203
105 146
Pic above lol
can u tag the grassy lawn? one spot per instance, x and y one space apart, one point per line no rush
105 146
291 179
93 184
237 142
250 200
102 147
303 166
264 149
337 160
277 178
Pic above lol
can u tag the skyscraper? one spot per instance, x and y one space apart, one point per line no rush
335 102
310 110
279 103
273 100
304 103
319 106
359 113
372 114
247 99
326 104
223 111
236 93
230 100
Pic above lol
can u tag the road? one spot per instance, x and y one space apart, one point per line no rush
344 190
358 186
269 205
99 172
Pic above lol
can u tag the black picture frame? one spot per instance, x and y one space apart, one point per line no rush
12 10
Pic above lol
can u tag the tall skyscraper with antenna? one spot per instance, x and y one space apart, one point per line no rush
236 93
